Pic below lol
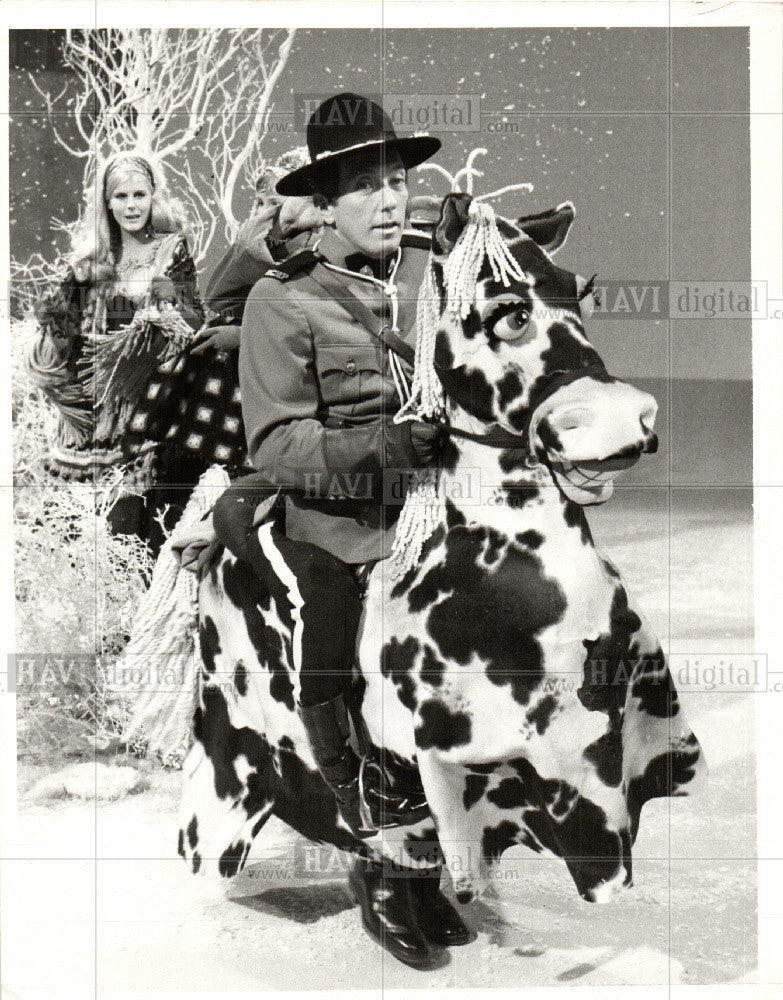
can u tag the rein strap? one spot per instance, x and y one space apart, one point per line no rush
499 437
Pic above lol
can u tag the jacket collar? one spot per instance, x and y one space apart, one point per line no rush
360 263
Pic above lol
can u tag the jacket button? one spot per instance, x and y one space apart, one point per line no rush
351 367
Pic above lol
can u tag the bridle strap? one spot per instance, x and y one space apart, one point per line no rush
499 437
496 437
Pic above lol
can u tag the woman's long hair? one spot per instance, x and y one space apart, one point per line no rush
96 238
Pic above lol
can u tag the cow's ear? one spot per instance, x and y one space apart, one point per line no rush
507 229
453 219
549 229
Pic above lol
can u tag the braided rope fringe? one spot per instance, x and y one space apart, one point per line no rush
426 399
479 240
422 512
108 355
162 647
424 507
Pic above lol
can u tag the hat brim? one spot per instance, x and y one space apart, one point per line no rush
413 150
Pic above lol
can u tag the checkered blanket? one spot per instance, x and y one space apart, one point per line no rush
193 408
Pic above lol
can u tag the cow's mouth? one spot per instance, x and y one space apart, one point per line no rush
589 482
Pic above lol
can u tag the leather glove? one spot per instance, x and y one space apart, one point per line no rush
218 338
412 444
193 548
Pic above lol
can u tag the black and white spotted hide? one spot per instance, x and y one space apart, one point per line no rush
511 664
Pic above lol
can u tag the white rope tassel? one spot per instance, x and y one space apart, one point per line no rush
479 239
426 401
424 508
162 647
421 514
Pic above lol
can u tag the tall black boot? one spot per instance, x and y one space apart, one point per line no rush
328 731
366 805
387 914
438 921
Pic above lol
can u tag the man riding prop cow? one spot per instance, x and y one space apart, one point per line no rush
319 392
455 652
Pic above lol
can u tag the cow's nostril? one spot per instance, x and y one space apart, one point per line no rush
650 443
573 419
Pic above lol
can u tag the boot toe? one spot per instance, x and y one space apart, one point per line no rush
437 919
406 945
449 934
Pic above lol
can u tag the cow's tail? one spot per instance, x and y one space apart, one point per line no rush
159 668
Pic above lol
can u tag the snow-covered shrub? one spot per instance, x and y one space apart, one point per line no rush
77 585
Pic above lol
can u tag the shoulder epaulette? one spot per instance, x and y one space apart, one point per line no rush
296 263
411 238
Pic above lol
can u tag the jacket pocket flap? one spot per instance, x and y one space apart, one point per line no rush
349 358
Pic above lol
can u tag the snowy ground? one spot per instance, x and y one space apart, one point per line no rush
137 921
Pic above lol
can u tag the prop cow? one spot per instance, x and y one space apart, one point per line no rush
507 665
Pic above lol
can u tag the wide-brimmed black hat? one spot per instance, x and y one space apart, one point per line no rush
344 125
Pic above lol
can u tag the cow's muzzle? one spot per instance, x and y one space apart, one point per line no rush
590 431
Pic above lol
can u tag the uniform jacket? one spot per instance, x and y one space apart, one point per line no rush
316 387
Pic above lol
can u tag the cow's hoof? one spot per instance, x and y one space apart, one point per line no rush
387 913
438 921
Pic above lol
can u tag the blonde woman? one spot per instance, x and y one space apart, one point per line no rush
128 301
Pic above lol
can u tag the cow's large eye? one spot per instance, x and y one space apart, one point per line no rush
512 326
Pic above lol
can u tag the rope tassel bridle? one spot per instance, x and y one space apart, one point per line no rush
424 507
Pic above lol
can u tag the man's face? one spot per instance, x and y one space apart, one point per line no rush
369 211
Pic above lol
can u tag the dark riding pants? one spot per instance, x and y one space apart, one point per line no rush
325 593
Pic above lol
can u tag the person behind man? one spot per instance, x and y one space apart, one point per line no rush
198 402
319 393
276 228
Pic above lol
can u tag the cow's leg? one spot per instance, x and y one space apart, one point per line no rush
215 834
229 777
229 789
459 830
661 755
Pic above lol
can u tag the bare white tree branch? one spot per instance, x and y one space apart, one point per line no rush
197 100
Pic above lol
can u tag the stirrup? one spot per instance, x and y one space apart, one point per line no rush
414 813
